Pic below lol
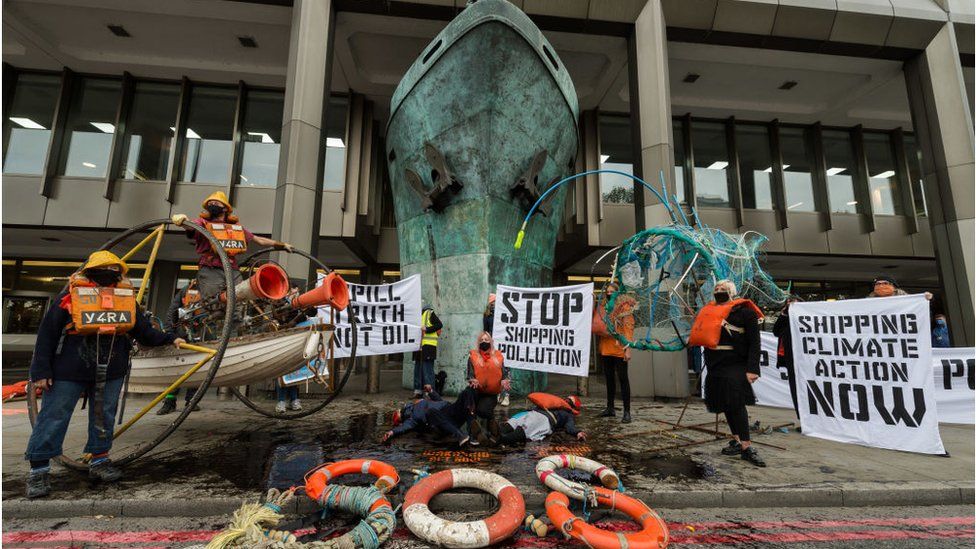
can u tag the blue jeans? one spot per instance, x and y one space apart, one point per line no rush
423 374
286 394
56 408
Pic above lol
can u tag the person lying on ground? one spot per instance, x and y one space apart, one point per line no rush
540 422
436 415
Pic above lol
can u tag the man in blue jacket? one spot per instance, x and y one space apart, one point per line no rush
70 360
435 414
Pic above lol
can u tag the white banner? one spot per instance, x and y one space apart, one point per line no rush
955 393
864 372
545 329
388 318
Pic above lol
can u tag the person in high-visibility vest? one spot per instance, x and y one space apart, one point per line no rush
423 367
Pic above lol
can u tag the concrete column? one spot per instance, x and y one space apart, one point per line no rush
650 105
943 123
298 201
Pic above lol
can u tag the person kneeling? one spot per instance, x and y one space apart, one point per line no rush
83 345
436 415
538 423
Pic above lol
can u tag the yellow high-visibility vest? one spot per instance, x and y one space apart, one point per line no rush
428 339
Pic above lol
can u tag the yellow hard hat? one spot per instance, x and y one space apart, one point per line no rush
221 197
104 258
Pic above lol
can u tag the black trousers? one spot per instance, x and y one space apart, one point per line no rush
485 405
614 368
451 418
738 420
791 373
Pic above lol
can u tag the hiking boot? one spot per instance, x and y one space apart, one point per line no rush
296 405
104 471
733 449
168 407
38 483
752 456
608 412
626 418
280 408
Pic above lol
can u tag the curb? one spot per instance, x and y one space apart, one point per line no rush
834 495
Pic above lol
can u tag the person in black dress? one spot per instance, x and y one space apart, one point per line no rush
784 351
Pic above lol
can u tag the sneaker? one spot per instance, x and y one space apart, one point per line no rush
503 400
608 412
104 471
752 456
38 483
296 405
417 394
280 407
734 448
626 418
168 407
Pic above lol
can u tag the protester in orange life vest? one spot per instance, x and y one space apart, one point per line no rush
614 356
886 286
729 330
184 298
83 345
218 217
488 376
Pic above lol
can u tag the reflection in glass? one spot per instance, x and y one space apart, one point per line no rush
797 153
616 154
89 127
149 131
711 164
755 166
882 174
677 128
209 132
29 123
22 315
914 156
262 138
334 175
839 155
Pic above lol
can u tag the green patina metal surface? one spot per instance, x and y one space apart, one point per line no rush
489 92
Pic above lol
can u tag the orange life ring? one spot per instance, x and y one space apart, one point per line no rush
481 533
653 533
386 475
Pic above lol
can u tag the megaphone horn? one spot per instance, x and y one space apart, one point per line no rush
269 281
334 292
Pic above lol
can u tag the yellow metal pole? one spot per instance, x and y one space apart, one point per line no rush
149 265
179 381
139 246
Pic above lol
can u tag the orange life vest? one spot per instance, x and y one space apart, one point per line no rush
488 372
100 309
190 296
551 402
710 321
232 237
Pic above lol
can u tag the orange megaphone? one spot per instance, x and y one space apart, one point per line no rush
269 281
334 292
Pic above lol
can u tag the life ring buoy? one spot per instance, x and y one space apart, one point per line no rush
480 533
316 479
545 469
653 533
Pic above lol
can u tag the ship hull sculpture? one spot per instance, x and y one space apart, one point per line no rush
481 123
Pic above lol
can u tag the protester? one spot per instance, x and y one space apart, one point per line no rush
74 355
539 422
435 414
488 376
940 333
729 330
423 368
184 298
886 286
488 324
614 356
784 350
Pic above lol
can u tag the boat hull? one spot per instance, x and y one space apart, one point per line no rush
489 98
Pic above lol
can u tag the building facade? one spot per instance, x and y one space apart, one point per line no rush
842 130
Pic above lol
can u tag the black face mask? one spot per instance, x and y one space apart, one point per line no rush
484 345
214 211
721 297
103 277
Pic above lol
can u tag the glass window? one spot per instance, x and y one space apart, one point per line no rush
616 154
797 153
209 133
913 155
882 174
755 166
711 164
334 174
839 155
149 131
29 123
89 128
678 132
262 138
45 276
9 273
22 315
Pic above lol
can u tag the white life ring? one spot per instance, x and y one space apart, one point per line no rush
546 467
480 533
